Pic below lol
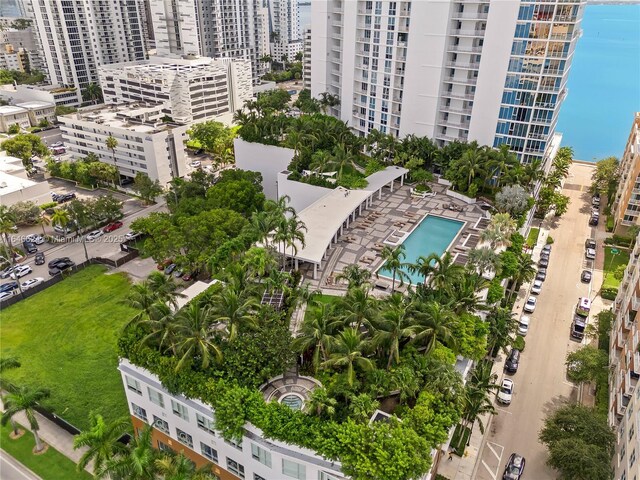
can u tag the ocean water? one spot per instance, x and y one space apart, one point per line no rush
304 15
604 83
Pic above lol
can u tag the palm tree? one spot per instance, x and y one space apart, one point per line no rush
347 351
294 235
393 261
472 163
464 295
92 93
445 272
362 406
101 441
42 221
356 276
232 308
195 337
434 323
499 231
112 143
142 298
180 467
321 161
477 399
316 333
483 260
61 217
24 399
163 328
137 462
320 403
341 158
394 326
8 227
261 225
502 327
502 161
359 308
164 288
532 172
7 363
525 272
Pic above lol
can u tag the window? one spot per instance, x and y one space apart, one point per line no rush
209 452
632 458
235 444
261 455
160 424
235 468
180 410
205 424
294 470
155 397
258 477
631 431
163 447
139 412
133 385
325 476
184 438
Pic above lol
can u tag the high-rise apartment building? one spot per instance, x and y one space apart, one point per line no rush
79 35
306 59
191 90
624 360
285 29
212 28
466 70
626 207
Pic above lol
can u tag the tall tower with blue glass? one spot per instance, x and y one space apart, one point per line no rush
536 84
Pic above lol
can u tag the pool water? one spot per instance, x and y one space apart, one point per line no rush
433 235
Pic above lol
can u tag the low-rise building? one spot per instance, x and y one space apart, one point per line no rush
66 96
626 207
12 115
624 360
147 143
39 111
191 90
15 185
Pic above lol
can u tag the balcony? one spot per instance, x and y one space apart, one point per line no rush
558 54
461 96
460 110
465 65
467 33
453 123
470 16
565 18
464 49
461 80
450 138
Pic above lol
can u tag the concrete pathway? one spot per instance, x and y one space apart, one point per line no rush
12 469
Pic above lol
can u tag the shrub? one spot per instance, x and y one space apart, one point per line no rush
519 343
13 129
373 166
44 206
495 292
352 181
621 240
549 240
609 226
609 293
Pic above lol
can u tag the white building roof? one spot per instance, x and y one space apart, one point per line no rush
35 105
384 177
11 110
123 116
323 219
11 183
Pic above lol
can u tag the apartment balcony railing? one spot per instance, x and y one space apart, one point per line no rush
558 54
460 110
565 18
464 49
453 123
461 80
470 15
450 138
462 96
468 33
461 64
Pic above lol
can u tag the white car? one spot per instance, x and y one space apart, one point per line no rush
530 306
32 282
536 288
131 235
4 295
33 238
21 271
591 253
523 325
196 164
506 391
93 235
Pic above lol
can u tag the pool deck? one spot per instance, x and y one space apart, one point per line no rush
362 242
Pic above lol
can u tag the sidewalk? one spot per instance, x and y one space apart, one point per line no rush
465 467
55 437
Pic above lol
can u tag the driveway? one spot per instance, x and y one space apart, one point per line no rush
541 384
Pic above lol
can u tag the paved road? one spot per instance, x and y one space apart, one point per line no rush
540 383
51 136
11 469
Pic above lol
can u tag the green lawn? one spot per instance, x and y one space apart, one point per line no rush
611 263
459 439
51 465
532 238
322 299
65 337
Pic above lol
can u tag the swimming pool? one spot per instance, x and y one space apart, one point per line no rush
433 235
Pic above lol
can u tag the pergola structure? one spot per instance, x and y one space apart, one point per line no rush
327 218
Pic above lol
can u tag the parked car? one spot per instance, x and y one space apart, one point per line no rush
505 392
546 249
8 287
93 235
523 325
32 282
29 247
530 306
57 144
513 361
62 230
545 255
178 273
595 201
33 238
590 243
4 295
196 164
126 181
514 468
61 267
53 263
536 288
21 271
590 254
585 277
39 258
187 277
65 198
132 235
6 273
169 269
594 220
112 226
543 262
